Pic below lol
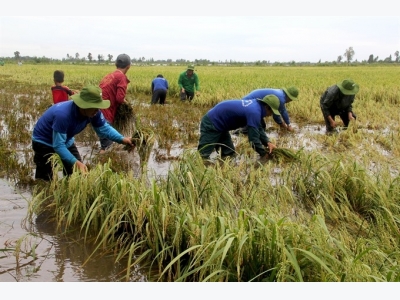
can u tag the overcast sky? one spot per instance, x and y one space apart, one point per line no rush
213 37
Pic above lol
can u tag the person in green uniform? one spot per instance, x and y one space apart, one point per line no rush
189 84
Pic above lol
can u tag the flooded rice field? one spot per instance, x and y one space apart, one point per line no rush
49 256
324 211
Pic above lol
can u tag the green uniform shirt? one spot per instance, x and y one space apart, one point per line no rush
189 84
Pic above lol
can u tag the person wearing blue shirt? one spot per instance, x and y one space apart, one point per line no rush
159 89
285 95
232 114
55 130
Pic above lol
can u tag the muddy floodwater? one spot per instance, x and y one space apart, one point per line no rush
47 256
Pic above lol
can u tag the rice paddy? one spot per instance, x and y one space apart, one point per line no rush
322 208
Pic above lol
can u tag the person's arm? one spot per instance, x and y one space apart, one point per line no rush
284 114
152 87
60 147
286 125
283 120
121 90
266 142
258 139
68 90
109 132
326 102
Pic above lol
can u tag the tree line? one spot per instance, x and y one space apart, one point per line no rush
349 54
76 58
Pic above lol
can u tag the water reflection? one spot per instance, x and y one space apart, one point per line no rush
39 253
68 258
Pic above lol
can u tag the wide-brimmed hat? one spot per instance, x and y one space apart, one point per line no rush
190 67
90 97
292 92
273 102
348 87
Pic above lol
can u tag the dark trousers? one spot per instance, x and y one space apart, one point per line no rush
105 143
211 139
187 96
44 169
158 96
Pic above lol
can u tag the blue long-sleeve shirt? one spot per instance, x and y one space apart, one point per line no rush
261 93
57 127
232 114
159 83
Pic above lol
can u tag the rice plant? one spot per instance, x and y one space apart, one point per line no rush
322 208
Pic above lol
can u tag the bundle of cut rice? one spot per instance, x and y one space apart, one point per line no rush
284 154
124 116
141 139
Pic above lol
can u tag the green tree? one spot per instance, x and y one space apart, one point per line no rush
90 57
388 59
349 54
371 59
339 59
396 54
77 55
16 54
110 57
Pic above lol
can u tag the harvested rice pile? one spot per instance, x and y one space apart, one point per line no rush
138 139
284 154
125 116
